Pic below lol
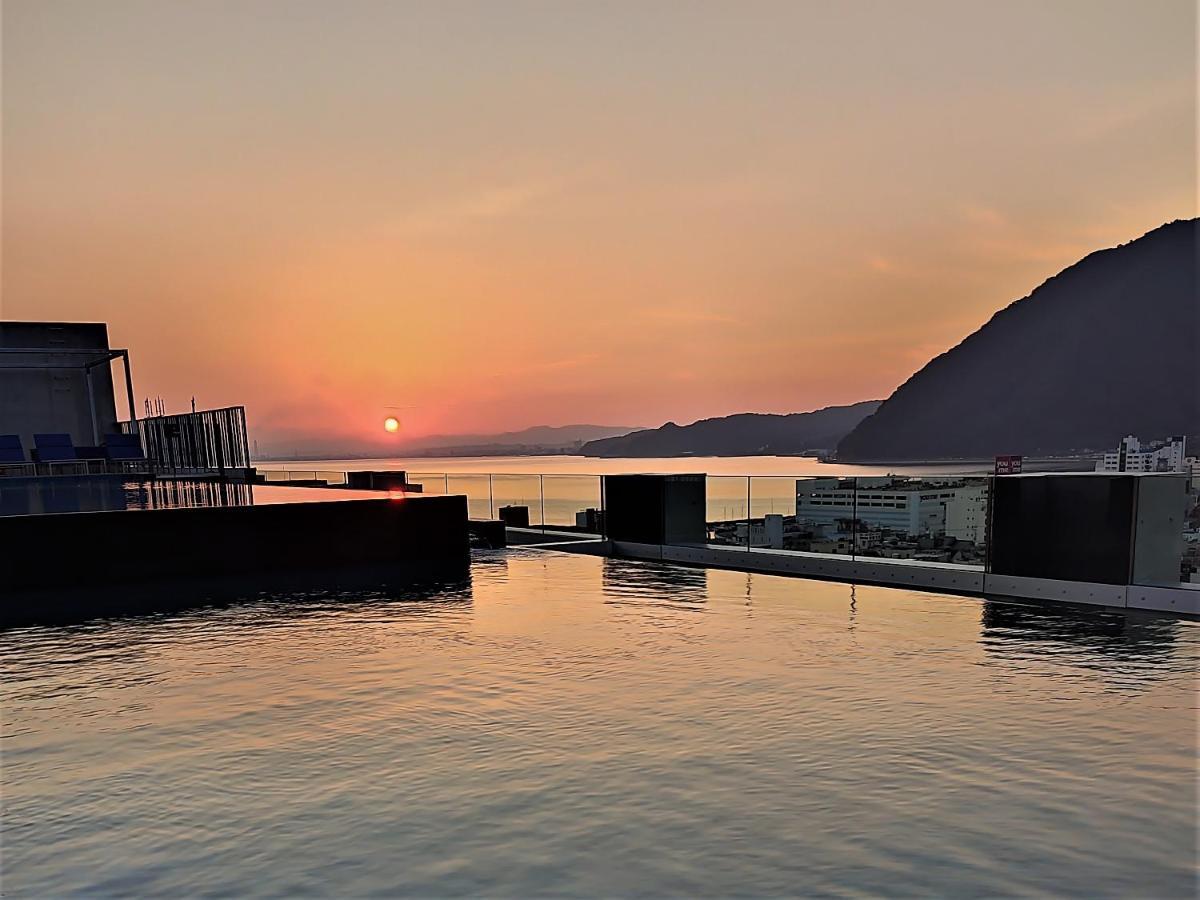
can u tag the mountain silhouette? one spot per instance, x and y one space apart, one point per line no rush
745 434
1107 347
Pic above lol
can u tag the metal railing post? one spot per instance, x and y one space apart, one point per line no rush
854 518
749 526
542 500
491 499
603 513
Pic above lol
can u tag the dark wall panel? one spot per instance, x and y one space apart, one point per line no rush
1065 527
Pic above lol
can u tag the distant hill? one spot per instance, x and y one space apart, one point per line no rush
544 437
1106 348
747 434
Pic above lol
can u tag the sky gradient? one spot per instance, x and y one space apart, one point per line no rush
504 214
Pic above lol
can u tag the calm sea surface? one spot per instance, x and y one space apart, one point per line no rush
568 725
791 466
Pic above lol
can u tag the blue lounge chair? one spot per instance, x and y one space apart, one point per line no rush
11 450
124 448
54 448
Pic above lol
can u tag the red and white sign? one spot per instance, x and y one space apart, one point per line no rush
1008 465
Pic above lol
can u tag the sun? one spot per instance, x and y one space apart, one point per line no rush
391 424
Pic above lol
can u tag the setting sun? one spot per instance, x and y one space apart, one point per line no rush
391 424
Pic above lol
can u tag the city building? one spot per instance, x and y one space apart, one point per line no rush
966 514
894 504
766 533
1134 456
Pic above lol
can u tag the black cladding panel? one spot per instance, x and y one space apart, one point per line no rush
1065 527
655 509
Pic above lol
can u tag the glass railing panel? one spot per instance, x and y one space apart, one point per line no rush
823 520
967 522
476 489
926 519
772 512
727 504
432 483
573 503
518 499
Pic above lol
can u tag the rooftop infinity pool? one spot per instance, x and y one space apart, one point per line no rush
570 725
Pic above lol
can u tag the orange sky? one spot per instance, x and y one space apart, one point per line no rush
508 214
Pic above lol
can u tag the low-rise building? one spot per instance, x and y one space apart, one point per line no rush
897 505
1159 456
966 514
767 532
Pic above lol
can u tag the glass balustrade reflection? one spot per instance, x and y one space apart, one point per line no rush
727 506
477 490
772 512
573 503
518 499
931 519
824 519
432 483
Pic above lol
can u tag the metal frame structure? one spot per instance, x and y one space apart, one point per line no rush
208 440
95 357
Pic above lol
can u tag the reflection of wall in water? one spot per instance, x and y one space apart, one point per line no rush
1008 627
649 582
381 592
41 496
173 494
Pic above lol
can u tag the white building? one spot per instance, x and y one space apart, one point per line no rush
911 508
768 533
966 514
1133 456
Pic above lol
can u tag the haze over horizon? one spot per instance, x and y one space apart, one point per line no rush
520 214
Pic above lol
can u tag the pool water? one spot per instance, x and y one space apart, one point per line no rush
569 725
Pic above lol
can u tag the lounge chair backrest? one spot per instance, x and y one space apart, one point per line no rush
11 450
54 447
123 446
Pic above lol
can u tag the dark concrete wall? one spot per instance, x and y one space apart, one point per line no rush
97 548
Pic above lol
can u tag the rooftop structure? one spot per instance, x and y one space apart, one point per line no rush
56 378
